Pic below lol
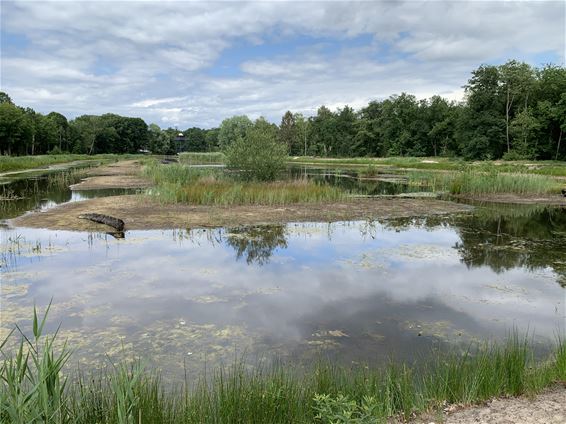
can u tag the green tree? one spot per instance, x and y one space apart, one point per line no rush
288 133
302 124
211 138
196 139
524 129
517 82
232 129
258 155
61 126
13 128
4 98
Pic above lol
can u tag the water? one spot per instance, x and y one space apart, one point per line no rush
350 180
44 191
352 291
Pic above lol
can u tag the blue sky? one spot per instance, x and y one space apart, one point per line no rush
186 63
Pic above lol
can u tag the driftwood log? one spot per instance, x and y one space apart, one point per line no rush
99 218
167 161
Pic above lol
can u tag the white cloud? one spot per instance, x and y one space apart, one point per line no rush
154 59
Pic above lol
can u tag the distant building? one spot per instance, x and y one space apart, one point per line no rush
180 143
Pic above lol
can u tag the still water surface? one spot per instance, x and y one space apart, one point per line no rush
354 291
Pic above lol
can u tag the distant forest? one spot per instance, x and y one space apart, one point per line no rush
511 111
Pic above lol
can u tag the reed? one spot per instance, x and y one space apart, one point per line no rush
472 182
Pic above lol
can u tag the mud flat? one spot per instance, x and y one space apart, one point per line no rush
522 199
143 212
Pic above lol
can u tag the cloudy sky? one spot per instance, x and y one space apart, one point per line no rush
188 64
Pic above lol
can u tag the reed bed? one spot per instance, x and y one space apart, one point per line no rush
34 387
183 184
472 182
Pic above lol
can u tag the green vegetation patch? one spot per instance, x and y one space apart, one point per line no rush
473 182
183 184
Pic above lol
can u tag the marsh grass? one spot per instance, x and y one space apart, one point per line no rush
472 182
197 186
63 180
34 386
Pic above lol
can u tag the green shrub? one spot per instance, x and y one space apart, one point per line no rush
259 155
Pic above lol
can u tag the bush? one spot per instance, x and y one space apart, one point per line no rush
258 155
514 155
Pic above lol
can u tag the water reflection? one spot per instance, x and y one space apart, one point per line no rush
350 180
356 291
45 191
256 243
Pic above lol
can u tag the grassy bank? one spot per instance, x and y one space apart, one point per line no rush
34 387
182 184
550 168
18 163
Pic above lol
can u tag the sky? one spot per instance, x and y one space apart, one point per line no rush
184 63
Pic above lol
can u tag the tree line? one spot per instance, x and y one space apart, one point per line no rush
513 111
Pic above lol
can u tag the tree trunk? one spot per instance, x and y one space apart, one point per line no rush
558 147
507 108
32 144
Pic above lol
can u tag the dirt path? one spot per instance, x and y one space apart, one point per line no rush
547 408
111 181
143 212
123 174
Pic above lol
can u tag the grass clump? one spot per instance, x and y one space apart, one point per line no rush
183 184
34 387
471 182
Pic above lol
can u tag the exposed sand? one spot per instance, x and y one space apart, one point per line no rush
142 212
124 167
547 408
111 181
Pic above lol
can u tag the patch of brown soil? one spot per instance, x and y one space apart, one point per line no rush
546 408
124 167
529 199
142 212
111 181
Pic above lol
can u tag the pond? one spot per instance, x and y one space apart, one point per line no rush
356 292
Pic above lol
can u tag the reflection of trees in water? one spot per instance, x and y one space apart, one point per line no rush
536 239
504 237
256 243
28 194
